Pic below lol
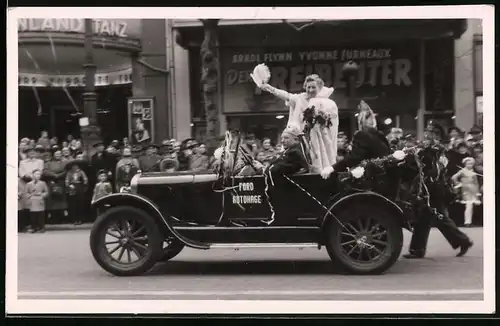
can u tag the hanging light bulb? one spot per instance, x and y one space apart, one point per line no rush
388 121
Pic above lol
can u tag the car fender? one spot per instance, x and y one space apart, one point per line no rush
138 201
365 196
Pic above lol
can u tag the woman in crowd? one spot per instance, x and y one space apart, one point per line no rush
55 176
76 186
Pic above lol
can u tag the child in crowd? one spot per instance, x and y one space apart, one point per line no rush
466 179
76 184
36 193
103 187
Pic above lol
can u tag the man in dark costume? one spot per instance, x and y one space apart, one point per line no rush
432 157
292 159
368 143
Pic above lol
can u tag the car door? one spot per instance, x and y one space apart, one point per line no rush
245 199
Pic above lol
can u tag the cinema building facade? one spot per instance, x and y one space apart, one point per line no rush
52 75
406 70
410 71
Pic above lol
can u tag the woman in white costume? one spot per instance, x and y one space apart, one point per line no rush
322 135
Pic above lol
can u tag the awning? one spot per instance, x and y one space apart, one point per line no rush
278 33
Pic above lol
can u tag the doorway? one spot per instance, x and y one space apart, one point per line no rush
65 122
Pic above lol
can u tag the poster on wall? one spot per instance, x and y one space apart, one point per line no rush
141 120
388 75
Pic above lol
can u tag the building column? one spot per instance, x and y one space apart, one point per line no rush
181 92
464 77
150 83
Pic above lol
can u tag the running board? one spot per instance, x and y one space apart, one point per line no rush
263 245
251 234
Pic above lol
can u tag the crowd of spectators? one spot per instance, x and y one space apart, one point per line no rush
58 178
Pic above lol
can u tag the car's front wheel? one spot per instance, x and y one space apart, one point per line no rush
367 241
125 241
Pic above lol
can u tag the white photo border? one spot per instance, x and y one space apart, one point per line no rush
487 305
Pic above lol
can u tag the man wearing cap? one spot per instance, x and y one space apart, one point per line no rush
126 160
292 159
149 161
436 183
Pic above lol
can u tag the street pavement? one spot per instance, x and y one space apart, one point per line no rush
59 265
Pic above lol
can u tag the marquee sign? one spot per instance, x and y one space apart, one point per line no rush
103 79
102 27
387 72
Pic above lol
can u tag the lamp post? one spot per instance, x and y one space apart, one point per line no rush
349 72
89 128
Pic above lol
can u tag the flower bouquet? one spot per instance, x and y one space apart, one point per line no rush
313 116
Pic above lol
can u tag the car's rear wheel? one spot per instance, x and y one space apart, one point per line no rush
171 248
125 241
368 242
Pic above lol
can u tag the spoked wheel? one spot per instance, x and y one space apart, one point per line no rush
171 248
369 242
125 241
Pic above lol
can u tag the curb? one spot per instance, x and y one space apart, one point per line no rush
67 227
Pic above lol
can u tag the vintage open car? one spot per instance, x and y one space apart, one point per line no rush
162 213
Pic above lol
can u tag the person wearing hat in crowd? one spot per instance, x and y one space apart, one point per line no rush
103 187
456 156
40 150
477 134
76 183
30 164
434 170
186 151
455 134
137 151
292 160
23 148
126 164
115 143
368 143
124 176
54 141
36 194
66 155
409 141
168 160
44 140
395 138
199 161
149 161
55 175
